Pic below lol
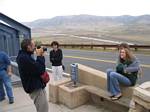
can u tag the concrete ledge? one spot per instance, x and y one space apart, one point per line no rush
105 95
145 85
127 92
91 82
92 77
112 106
73 97
141 102
141 95
53 89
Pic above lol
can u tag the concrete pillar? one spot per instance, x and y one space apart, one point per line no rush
141 98
73 97
53 89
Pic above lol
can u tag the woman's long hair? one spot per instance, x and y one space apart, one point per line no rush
129 55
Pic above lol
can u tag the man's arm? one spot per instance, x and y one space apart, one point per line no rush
8 63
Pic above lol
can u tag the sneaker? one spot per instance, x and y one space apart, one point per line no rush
117 97
1 99
11 101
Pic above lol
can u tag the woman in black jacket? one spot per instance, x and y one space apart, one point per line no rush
56 57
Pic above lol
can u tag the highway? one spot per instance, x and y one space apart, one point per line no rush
100 60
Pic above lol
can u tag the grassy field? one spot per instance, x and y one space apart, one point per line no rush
66 40
136 39
117 33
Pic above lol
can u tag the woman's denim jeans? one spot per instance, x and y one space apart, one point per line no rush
114 80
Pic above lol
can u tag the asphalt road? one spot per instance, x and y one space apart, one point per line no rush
100 61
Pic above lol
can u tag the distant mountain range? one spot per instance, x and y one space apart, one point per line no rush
90 20
135 29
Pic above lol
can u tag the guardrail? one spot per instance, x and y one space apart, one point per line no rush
104 46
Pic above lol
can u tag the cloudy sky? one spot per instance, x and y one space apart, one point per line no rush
29 10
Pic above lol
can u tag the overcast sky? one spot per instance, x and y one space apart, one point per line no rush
29 10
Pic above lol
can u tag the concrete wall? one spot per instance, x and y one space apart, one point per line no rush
90 76
75 96
54 89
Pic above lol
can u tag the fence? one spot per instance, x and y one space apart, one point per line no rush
104 46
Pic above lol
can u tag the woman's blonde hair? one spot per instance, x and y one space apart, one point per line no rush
130 57
129 54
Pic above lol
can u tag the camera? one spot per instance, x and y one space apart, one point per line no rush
44 48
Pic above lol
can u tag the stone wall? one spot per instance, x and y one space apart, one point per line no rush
63 92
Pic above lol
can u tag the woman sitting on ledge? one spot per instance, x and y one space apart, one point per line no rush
125 74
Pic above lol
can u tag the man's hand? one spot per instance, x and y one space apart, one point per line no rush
9 70
10 74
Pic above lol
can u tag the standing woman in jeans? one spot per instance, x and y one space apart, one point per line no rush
56 57
125 74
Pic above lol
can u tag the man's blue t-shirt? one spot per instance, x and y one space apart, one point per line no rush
4 61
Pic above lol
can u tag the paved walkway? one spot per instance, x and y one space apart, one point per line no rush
23 103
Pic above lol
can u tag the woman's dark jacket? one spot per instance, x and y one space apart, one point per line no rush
56 57
131 68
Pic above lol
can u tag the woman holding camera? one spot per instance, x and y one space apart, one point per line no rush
56 57
125 74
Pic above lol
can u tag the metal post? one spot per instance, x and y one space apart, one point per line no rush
74 73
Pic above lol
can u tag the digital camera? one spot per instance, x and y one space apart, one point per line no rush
44 48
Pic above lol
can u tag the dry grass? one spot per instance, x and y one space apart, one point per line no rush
46 36
66 40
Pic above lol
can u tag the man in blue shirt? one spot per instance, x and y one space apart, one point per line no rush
5 73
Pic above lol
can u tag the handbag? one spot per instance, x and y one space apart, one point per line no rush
45 77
